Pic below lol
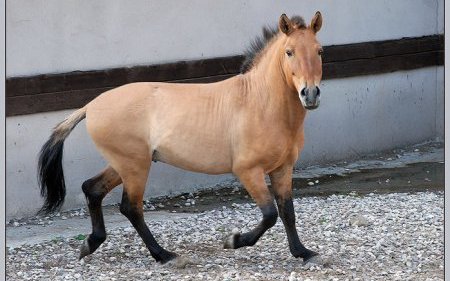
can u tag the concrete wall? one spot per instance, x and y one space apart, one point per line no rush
357 115
363 115
50 36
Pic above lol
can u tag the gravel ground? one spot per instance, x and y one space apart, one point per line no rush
395 236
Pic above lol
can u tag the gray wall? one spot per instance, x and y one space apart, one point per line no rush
50 36
357 115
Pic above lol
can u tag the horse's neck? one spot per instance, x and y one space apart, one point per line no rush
269 92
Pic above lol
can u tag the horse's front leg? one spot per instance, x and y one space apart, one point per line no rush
254 183
281 180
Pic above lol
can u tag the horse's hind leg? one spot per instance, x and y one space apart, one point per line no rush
134 181
254 183
95 189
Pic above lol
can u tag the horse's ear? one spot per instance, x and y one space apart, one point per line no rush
316 22
285 24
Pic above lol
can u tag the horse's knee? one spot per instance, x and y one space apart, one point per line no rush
270 215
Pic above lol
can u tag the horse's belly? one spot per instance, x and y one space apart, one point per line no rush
195 157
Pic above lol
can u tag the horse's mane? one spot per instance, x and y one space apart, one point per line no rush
258 44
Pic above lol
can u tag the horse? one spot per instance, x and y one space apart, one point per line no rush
250 125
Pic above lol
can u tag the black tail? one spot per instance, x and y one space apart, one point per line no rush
51 175
50 169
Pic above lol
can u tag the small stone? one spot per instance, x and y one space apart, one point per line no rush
358 220
310 183
292 276
128 229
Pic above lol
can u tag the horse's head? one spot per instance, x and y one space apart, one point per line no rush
302 58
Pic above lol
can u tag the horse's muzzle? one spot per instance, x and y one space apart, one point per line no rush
310 97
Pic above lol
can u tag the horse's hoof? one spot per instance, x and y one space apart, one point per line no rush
165 257
179 262
85 249
231 241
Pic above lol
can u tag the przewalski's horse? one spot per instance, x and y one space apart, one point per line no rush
250 125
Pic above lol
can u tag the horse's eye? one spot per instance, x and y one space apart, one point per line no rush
320 52
289 53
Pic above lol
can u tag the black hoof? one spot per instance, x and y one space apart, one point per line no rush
84 250
165 256
90 244
231 242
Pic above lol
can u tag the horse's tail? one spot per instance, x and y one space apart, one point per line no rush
50 169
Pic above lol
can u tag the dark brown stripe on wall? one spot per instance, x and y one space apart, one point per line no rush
51 92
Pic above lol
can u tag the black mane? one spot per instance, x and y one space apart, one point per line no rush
259 43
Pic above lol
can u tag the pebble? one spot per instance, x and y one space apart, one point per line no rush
358 220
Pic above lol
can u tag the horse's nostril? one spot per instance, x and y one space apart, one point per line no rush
303 92
318 91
